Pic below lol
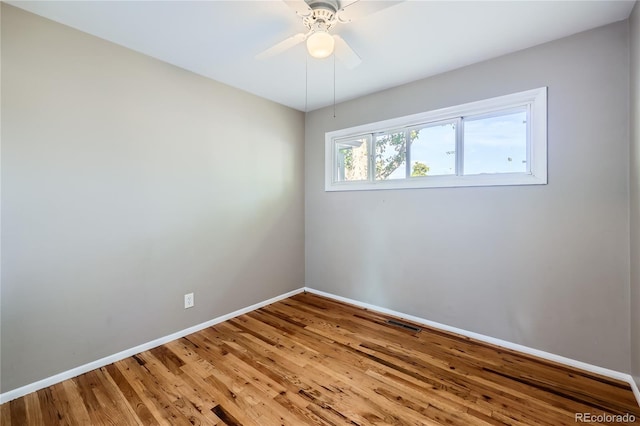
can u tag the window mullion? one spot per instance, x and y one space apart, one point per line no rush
529 138
459 146
372 158
407 153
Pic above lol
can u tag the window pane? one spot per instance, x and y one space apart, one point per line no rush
496 144
390 156
352 160
433 150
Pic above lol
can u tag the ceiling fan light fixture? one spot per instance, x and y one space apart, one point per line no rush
320 44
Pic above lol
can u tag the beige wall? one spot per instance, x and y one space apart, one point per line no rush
635 192
126 183
542 266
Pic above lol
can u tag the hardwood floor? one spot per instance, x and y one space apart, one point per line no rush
311 360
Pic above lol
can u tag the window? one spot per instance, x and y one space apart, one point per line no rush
498 141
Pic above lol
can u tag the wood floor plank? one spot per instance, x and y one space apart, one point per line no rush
195 407
248 383
32 405
51 412
77 410
101 410
62 404
289 398
140 410
18 411
5 414
227 389
158 397
309 360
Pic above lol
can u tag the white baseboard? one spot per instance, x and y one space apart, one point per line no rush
492 340
49 381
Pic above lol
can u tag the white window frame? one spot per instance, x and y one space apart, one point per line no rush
536 102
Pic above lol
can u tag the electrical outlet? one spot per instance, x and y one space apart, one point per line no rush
188 300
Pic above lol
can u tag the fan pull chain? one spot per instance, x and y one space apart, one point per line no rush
334 84
306 81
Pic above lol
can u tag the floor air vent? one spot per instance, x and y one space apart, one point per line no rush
404 325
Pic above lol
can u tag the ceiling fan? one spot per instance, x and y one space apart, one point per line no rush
320 16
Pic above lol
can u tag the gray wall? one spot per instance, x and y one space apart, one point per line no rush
635 191
543 266
126 183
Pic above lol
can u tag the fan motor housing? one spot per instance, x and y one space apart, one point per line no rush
324 11
332 5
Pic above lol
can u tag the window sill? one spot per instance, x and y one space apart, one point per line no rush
502 179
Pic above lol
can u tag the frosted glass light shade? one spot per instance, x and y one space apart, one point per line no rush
320 44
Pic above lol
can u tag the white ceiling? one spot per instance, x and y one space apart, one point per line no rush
402 43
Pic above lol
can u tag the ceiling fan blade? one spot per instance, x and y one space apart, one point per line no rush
282 46
301 8
361 8
345 53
